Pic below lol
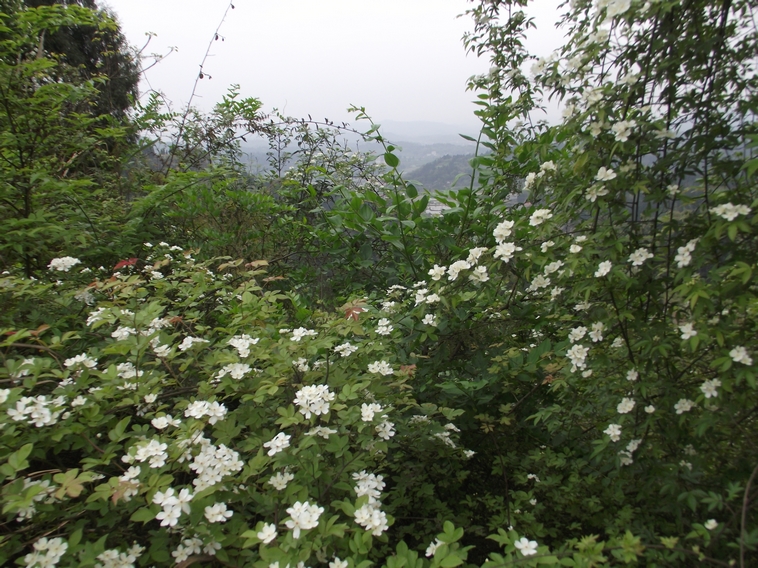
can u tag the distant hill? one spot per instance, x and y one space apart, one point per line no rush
443 172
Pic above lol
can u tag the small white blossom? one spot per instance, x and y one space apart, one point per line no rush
603 269
687 330
614 432
740 355
625 406
709 388
638 257
684 405
525 546
277 443
539 217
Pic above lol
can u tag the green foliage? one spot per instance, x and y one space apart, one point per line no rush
557 370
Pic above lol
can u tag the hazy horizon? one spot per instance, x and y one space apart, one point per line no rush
403 61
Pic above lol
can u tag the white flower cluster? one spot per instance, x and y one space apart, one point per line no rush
684 405
437 272
191 546
123 332
163 422
63 264
538 283
47 553
277 443
539 217
217 513
346 349
40 410
597 331
625 406
303 516
577 334
638 257
729 211
200 408
173 505
622 129
153 450
82 359
455 269
188 342
115 559
301 332
625 456
321 431
603 269
684 254
313 399
740 355
129 484
578 357
430 319
614 432
384 327
370 516
213 463
380 367
235 370
242 344
280 480
710 388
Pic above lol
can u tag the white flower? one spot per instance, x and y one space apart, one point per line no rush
526 547
625 406
381 367
709 388
552 267
345 350
684 405
455 268
621 129
437 272
597 331
605 174
321 431
538 283
632 375
546 245
78 401
578 356
603 269
314 399
63 264
614 432
368 411
81 359
267 533
188 342
650 409
280 480
502 231
277 443
577 333
479 275
730 212
337 563
123 333
638 257
301 332
539 217
235 370
430 319
217 513
505 251
475 254
687 331
573 249
385 430
432 548
303 516
372 518
384 327
594 192
740 355
711 524
684 254
242 344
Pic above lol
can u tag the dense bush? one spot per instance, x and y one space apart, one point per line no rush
557 370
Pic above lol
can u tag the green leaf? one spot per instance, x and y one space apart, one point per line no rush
411 191
391 160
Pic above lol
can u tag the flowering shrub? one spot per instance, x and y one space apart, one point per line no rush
563 366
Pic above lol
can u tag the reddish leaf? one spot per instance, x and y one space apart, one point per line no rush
122 263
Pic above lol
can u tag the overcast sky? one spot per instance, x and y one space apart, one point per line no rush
401 59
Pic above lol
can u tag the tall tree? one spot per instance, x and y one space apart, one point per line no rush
99 53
